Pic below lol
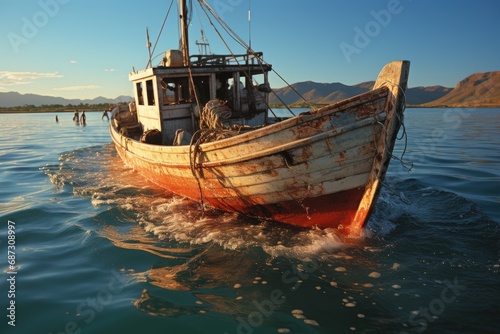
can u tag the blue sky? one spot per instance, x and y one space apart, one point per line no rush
86 48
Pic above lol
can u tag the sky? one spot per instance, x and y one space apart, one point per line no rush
86 48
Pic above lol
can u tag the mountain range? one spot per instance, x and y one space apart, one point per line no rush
14 99
321 93
479 89
476 90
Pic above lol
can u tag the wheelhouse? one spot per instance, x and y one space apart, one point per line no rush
170 97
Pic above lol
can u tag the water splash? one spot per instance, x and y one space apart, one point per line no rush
98 173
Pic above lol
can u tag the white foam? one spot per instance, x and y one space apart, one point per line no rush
99 174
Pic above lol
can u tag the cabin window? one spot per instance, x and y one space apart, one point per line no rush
175 90
140 97
237 94
247 94
150 92
259 92
202 85
258 80
222 86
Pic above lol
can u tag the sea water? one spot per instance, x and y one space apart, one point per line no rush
96 249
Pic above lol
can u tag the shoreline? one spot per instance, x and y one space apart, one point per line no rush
46 111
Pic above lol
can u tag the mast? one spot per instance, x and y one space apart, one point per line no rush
184 28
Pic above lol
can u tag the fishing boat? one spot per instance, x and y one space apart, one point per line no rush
201 127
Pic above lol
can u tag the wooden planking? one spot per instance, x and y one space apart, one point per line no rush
319 171
178 156
295 187
268 168
330 187
322 155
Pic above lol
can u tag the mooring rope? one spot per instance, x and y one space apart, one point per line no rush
408 165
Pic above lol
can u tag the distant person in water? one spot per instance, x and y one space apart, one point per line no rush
105 114
83 118
76 117
57 119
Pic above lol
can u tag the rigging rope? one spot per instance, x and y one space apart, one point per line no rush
296 92
161 30
204 6
240 41
224 25
249 50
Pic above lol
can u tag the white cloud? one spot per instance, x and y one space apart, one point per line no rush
77 87
109 70
73 61
23 78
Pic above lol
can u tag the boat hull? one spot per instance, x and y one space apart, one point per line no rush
321 168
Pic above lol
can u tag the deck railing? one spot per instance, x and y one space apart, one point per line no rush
225 60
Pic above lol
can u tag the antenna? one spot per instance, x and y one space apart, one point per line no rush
203 45
249 26
148 45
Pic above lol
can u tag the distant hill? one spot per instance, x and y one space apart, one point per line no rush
14 99
321 93
324 93
421 95
477 90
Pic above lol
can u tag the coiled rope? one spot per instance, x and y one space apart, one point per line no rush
213 115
